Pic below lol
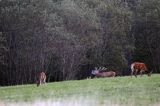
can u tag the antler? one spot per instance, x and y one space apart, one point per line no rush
103 68
95 68
100 68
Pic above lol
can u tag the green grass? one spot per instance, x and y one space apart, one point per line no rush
139 91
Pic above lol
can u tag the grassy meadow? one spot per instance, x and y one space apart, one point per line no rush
140 91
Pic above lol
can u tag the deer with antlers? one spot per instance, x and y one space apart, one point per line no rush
101 72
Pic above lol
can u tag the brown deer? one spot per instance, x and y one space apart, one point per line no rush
41 78
139 67
104 73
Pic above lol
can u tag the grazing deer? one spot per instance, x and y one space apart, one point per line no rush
41 78
105 73
139 67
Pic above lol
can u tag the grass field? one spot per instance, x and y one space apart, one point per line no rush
141 91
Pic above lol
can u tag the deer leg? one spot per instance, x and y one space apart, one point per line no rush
136 73
132 73
44 81
149 74
40 82
114 75
141 73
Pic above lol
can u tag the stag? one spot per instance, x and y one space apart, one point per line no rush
101 72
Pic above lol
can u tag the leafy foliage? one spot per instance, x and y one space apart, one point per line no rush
68 38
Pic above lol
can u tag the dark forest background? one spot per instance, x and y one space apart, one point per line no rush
68 38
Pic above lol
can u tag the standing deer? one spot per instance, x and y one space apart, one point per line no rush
139 67
41 78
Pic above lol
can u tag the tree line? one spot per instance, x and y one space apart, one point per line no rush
68 38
